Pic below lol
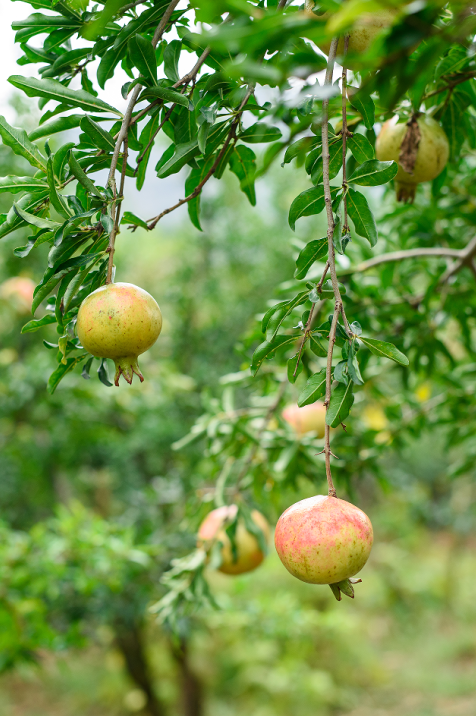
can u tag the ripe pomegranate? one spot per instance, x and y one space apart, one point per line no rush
323 540
249 552
366 28
310 418
119 321
420 147
19 292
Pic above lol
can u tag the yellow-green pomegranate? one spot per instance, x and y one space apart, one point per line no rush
249 553
366 28
119 321
420 147
323 540
310 418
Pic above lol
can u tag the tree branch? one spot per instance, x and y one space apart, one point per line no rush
231 135
331 258
123 132
402 256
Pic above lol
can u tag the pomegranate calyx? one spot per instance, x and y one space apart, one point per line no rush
344 587
127 366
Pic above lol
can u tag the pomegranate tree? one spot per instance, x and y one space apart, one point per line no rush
419 146
324 540
310 418
119 321
249 553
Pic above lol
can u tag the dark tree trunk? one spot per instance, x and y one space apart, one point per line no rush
129 640
190 687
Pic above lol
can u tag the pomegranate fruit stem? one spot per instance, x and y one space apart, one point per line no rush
338 307
123 132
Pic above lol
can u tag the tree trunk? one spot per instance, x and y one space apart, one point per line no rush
190 687
129 640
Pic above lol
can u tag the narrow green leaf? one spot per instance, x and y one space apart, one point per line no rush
308 203
243 164
29 202
17 140
385 350
14 184
300 147
61 371
266 350
342 399
35 220
37 323
171 58
373 173
102 139
259 133
361 148
197 174
312 252
82 177
56 200
130 218
364 105
167 95
142 56
314 389
54 90
361 215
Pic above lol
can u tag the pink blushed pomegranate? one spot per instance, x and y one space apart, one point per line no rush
249 553
323 540
119 321
310 418
18 291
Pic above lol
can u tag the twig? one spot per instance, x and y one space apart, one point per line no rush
231 135
465 259
331 257
402 256
449 86
310 320
345 227
123 132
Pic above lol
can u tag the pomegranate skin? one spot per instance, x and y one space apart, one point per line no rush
18 291
250 554
323 540
310 418
432 155
119 321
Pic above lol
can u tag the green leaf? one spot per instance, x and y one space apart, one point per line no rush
197 174
313 251
182 155
142 56
130 218
17 139
147 134
35 220
259 133
300 147
171 58
266 350
82 177
314 389
56 200
342 399
243 164
102 139
54 90
364 105
360 147
361 215
16 184
37 323
294 368
280 312
61 371
45 288
385 350
167 95
373 173
29 202
308 203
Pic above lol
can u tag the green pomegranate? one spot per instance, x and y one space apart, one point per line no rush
249 553
323 540
119 321
366 28
425 152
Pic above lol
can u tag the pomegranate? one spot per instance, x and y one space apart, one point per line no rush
366 28
310 418
119 321
249 553
19 292
420 147
323 540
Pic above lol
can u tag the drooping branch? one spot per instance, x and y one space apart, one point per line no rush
231 135
331 259
123 132
345 227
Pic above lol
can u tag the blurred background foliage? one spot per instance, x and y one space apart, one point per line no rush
95 502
